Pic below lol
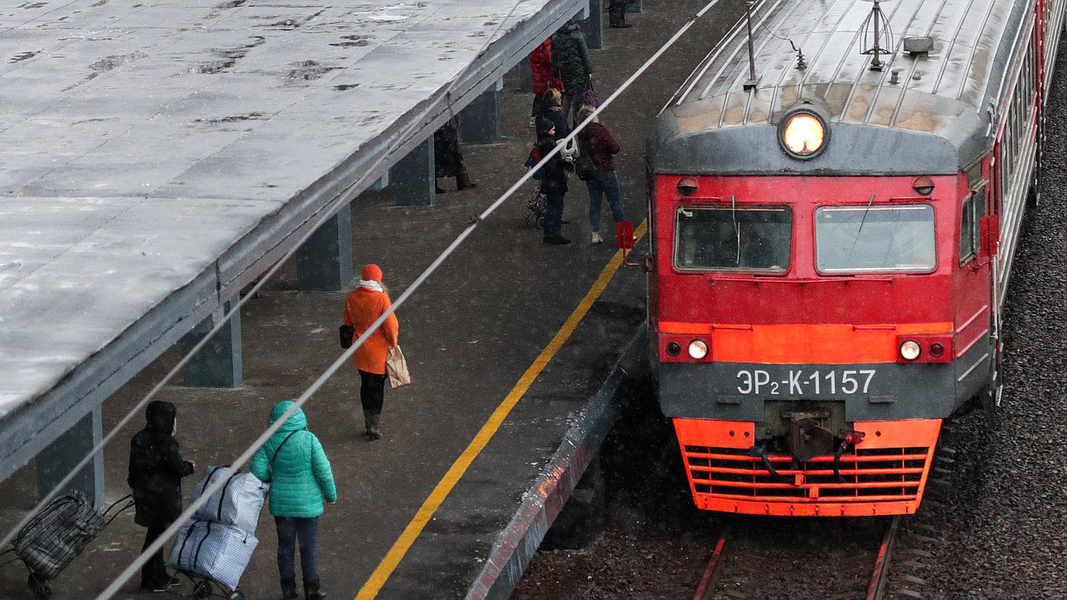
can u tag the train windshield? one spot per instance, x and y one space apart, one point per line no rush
733 239
862 239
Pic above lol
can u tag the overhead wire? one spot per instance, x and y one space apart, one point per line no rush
247 454
343 198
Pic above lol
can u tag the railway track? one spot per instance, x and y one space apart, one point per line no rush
785 559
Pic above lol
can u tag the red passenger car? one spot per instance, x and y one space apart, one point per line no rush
832 239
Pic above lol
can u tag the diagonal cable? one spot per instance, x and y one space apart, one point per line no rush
343 198
247 454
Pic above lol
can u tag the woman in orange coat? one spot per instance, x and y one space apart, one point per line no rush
363 306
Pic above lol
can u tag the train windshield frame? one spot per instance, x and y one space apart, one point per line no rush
856 239
748 239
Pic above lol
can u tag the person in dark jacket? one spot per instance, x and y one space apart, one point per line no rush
301 481
596 142
448 160
553 184
155 476
552 109
571 63
617 14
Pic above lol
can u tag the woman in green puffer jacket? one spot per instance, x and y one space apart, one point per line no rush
295 465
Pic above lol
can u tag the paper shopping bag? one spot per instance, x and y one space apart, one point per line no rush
397 368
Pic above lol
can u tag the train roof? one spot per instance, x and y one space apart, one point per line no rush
934 119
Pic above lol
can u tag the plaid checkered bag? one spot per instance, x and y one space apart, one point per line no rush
58 534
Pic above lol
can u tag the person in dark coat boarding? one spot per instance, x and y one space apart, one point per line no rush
155 476
572 64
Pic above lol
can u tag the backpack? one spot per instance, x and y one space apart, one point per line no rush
584 166
533 159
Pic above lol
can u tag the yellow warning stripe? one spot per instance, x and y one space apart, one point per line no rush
381 574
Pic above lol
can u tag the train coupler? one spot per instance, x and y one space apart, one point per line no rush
851 439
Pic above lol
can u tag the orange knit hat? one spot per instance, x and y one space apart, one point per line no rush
372 272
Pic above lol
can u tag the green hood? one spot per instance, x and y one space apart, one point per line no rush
295 422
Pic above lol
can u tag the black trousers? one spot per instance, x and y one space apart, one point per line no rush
154 572
372 392
617 12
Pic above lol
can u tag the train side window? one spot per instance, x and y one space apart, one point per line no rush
968 226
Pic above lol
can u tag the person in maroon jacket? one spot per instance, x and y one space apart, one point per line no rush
541 69
597 143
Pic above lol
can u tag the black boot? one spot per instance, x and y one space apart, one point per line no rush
289 589
367 422
372 428
312 591
463 181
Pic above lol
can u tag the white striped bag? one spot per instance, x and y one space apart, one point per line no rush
213 550
237 503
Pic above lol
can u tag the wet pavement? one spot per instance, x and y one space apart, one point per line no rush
470 334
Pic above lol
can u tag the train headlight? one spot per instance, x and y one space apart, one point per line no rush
910 350
803 134
698 349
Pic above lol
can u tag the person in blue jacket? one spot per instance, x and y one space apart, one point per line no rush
300 478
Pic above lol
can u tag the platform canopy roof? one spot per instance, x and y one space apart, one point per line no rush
160 154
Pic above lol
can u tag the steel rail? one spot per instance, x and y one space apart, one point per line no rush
876 589
710 580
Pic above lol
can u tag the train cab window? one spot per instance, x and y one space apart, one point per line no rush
875 239
755 239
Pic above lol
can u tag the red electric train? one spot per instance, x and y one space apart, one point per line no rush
832 231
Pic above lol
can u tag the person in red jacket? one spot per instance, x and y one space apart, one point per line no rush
596 142
363 306
541 69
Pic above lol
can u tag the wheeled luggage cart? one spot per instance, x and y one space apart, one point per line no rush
58 534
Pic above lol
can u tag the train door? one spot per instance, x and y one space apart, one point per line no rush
974 297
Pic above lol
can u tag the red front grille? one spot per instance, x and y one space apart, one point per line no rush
864 475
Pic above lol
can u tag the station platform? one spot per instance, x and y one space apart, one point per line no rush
506 321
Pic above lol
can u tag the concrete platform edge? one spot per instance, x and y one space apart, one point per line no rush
517 544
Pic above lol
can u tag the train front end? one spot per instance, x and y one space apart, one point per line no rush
804 337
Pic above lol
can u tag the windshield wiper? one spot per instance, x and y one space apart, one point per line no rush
737 229
862 221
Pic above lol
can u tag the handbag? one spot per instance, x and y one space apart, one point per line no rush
397 368
589 97
346 332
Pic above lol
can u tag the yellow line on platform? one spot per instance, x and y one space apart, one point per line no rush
381 574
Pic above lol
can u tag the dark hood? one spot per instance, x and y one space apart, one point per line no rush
570 27
543 127
160 416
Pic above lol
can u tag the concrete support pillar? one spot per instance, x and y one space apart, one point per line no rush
479 123
635 6
218 364
324 262
582 518
380 184
593 25
60 457
411 180
525 76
